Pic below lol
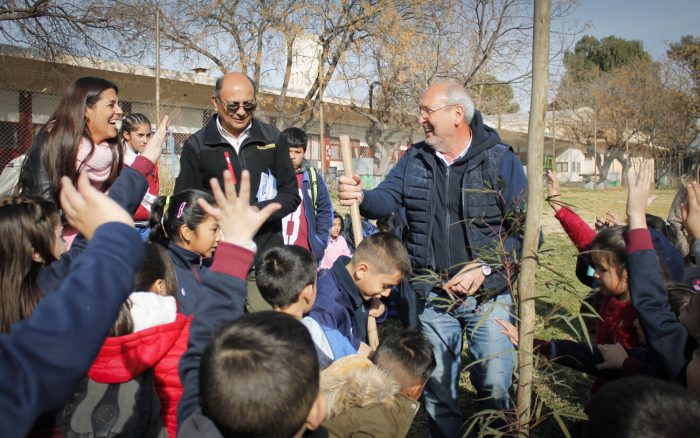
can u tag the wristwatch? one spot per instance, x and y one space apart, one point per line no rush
486 269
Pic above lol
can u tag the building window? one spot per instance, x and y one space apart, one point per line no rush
334 144
576 167
562 166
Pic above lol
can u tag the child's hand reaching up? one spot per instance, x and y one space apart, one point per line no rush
639 194
87 208
690 211
614 355
239 221
155 144
553 190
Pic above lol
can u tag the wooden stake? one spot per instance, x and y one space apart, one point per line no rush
346 153
533 216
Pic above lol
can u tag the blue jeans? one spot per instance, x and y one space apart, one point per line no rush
491 356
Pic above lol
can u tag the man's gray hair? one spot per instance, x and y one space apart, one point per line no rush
457 95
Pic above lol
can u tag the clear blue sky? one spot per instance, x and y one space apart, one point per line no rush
655 22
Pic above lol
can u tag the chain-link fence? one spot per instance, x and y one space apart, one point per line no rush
23 113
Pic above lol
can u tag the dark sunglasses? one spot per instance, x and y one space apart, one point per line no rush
233 107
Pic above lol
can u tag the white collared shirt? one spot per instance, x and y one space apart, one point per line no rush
441 156
230 138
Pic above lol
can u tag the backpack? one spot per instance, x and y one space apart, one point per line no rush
313 178
10 176
368 229
110 410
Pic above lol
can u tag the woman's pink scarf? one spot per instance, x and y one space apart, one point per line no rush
98 165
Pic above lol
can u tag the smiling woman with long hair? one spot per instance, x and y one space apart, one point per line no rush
80 136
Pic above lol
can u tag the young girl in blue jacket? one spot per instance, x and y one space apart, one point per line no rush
190 235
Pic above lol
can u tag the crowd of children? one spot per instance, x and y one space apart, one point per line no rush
120 337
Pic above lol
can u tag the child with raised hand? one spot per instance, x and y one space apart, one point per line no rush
133 137
149 334
350 291
671 340
286 278
44 356
224 291
33 260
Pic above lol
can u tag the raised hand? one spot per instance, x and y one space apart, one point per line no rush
553 190
87 208
239 221
639 195
690 211
613 217
349 189
155 144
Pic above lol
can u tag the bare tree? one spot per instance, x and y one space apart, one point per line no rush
635 108
63 28
466 41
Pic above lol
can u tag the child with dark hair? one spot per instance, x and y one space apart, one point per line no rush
45 355
378 398
337 246
133 137
190 235
260 378
672 341
641 407
408 357
613 360
286 277
619 348
309 225
149 335
349 292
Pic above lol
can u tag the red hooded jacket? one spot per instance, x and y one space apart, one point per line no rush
122 358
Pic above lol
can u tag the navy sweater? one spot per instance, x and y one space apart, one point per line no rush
224 291
339 304
667 339
45 356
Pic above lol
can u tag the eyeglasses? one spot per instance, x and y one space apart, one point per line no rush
234 106
425 111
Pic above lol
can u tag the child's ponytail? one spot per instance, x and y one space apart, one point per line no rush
169 213
158 233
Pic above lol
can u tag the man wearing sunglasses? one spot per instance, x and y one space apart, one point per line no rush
234 140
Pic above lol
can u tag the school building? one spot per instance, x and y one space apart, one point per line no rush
30 89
